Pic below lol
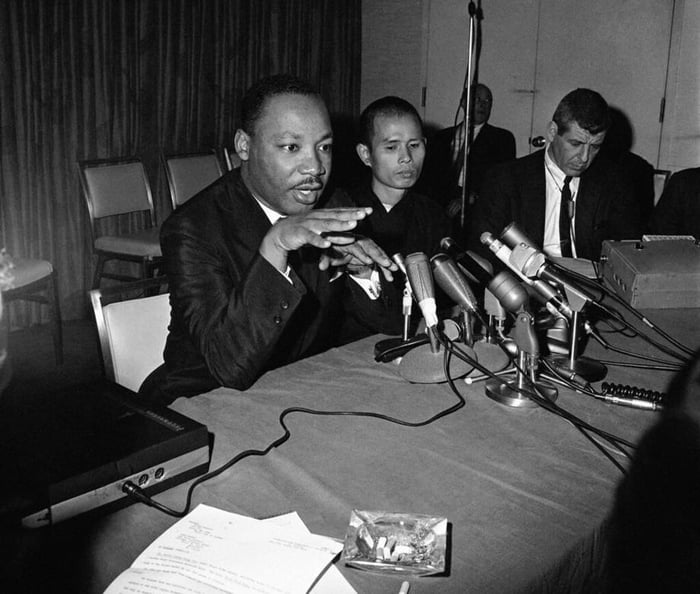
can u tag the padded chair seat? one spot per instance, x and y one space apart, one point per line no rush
141 243
27 271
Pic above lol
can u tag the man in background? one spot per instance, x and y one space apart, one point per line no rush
444 174
565 198
392 147
678 209
253 268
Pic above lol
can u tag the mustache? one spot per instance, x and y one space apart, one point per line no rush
312 180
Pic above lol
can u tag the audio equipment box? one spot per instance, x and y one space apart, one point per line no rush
654 274
73 454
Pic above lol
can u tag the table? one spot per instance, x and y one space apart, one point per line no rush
522 489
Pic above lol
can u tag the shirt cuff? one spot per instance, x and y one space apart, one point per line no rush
372 285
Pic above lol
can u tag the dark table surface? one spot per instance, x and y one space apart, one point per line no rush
522 488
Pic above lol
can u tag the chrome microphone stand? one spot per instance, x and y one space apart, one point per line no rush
514 393
575 365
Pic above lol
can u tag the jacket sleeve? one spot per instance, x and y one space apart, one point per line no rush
233 308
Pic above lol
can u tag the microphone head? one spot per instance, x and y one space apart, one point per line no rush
421 281
509 291
487 238
447 244
419 276
512 236
400 262
451 280
483 262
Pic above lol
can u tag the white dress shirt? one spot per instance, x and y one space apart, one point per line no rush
554 182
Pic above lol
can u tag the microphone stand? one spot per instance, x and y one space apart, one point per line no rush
510 393
406 308
474 15
588 369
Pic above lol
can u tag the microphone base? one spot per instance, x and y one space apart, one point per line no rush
588 369
506 393
421 366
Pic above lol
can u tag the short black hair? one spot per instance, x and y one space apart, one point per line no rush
270 86
386 106
585 107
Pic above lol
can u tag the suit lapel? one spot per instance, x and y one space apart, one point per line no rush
534 191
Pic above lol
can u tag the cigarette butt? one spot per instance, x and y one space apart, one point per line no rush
404 588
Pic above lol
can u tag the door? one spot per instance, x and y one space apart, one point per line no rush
534 51
619 49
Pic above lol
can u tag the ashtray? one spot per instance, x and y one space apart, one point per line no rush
396 542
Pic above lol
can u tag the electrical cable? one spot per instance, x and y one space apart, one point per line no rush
134 491
584 279
547 404
606 345
138 494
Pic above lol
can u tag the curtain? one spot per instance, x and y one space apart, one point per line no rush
91 79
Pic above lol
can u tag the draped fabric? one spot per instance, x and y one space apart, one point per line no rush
89 79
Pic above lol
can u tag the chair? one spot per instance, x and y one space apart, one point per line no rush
233 161
661 177
35 280
189 173
132 324
118 187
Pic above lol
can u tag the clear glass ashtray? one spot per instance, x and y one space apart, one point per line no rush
396 542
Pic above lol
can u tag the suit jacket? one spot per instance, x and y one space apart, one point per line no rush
234 315
678 209
440 177
516 192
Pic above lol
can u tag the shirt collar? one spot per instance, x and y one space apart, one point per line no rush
553 168
272 215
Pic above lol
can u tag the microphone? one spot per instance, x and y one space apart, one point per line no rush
532 262
507 290
425 364
407 299
553 301
452 282
474 269
421 281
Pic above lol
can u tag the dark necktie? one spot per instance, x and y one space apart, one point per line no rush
565 212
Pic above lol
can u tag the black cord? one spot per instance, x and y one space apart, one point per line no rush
543 401
606 345
140 495
599 284
450 349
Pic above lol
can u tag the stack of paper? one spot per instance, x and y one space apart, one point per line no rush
214 551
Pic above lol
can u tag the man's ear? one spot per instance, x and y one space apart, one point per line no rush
241 141
552 130
363 153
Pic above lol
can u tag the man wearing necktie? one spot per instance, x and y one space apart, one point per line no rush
565 198
443 172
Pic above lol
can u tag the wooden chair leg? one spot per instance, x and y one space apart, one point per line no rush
55 314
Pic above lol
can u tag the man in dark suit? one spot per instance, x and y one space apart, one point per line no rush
598 198
253 268
443 172
678 209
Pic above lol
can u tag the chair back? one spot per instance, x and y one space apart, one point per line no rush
189 173
132 326
115 186
233 161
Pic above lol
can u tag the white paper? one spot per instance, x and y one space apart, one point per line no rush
212 551
331 581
